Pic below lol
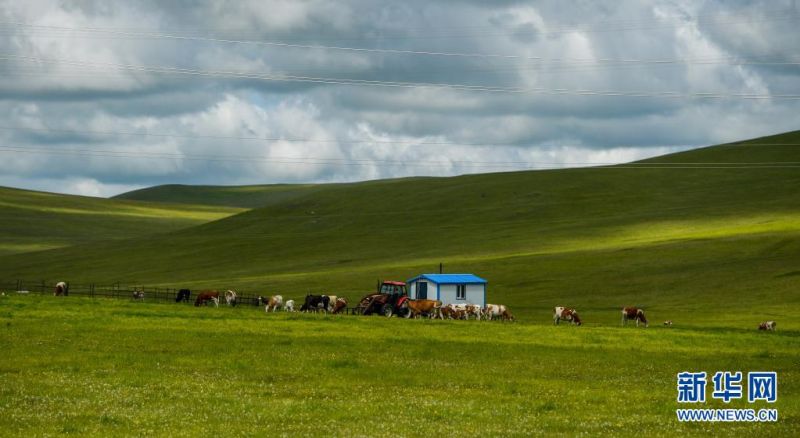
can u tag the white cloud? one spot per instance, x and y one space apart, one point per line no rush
357 124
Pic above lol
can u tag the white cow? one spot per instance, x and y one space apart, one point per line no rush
289 307
230 298
331 302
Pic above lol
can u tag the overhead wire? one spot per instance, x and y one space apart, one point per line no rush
397 84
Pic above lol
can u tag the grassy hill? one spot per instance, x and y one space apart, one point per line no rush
32 221
229 196
675 238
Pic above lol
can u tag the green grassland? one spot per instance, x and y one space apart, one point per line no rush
34 221
716 250
103 367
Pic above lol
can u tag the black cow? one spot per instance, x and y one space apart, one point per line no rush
183 295
315 302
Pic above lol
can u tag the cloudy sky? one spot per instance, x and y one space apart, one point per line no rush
101 97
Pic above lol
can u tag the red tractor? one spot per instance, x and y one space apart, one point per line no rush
389 300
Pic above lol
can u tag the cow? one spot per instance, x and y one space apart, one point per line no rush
339 306
429 308
289 306
447 312
138 295
494 311
331 302
183 295
475 310
313 303
61 289
274 303
668 323
230 298
633 313
768 326
566 314
205 296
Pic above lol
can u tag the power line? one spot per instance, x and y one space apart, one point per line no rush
782 15
394 84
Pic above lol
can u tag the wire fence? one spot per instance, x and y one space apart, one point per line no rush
116 290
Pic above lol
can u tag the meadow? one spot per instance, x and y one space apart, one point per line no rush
105 367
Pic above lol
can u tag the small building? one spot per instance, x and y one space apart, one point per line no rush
448 288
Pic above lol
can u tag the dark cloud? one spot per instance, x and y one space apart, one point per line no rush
65 108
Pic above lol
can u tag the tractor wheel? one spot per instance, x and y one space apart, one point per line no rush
387 310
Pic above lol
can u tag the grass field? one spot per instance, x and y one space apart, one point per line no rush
716 250
104 367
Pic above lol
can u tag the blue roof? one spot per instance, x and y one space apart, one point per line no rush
450 278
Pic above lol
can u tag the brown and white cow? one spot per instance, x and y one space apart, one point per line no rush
429 308
274 303
339 306
447 312
566 314
205 296
61 289
634 313
494 311
767 325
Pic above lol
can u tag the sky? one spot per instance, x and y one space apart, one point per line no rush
102 97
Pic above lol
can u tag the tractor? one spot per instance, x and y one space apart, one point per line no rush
389 300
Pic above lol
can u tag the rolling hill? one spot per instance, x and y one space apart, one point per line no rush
229 196
33 221
666 233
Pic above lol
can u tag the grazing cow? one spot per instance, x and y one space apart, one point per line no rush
289 306
429 308
668 323
473 310
183 295
230 298
768 326
633 313
205 296
566 314
331 302
447 312
61 289
274 303
313 303
138 295
494 311
339 306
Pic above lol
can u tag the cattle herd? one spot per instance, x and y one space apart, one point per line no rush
433 309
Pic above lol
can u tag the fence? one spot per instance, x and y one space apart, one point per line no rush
92 290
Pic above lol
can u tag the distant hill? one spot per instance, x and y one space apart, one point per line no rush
230 196
651 233
32 221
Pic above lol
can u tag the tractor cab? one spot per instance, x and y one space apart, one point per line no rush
393 288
